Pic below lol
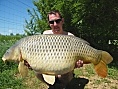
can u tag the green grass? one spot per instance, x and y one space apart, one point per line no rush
86 71
113 73
8 80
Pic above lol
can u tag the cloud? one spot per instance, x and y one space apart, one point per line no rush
10 31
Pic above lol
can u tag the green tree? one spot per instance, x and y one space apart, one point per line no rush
31 27
93 20
11 34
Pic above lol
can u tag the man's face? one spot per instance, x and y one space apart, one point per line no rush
56 23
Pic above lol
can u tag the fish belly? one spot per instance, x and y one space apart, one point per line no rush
54 64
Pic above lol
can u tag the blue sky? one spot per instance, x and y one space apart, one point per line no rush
13 14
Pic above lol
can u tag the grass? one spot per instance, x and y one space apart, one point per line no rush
10 78
96 82
113 73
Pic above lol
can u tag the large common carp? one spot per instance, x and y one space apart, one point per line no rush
56 54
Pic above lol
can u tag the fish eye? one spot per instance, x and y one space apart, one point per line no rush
7 51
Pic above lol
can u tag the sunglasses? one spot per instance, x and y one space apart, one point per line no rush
57 21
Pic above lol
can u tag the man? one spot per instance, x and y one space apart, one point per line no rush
56 22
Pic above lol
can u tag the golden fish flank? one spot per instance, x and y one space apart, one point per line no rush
49 53
57 54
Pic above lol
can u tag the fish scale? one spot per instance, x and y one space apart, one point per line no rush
57 54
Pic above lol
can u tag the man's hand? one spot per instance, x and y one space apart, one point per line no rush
79 64
27 64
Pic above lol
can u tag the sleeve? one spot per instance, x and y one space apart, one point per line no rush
47 32
70 34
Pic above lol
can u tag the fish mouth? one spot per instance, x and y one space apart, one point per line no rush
3 59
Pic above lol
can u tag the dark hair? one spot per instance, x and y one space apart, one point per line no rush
54 12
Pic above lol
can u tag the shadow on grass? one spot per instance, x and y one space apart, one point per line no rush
75 83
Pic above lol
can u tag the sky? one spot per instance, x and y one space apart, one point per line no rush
13 14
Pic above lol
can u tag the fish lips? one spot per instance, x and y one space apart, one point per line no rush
4 59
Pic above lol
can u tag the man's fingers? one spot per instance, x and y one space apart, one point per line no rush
79 64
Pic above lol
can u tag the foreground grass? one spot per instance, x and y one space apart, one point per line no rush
10 78
9 81
96 82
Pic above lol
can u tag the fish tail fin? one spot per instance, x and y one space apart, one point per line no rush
23 70
106 57
101 67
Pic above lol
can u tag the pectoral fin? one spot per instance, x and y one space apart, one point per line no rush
23 70
49 78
